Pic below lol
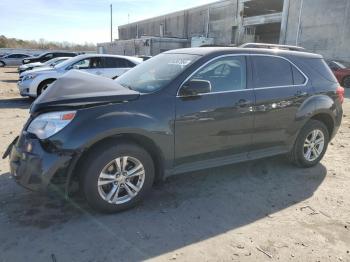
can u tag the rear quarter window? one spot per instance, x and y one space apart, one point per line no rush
298 78
320 66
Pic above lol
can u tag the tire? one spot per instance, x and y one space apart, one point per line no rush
103 160
346 82
2 64
43 85
299 154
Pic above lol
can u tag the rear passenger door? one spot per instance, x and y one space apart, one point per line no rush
280 88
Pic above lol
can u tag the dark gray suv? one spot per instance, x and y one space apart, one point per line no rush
180 111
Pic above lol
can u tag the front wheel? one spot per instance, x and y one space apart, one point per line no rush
116 177
311 144
44 85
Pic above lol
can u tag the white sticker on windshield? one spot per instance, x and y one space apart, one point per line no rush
180 62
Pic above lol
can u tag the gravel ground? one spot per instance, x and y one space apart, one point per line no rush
264 210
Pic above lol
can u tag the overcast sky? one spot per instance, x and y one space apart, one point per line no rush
78 21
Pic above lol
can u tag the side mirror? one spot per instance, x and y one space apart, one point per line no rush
195 87
76 67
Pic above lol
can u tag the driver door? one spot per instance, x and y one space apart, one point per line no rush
219 124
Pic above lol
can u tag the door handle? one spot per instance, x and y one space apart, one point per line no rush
243 103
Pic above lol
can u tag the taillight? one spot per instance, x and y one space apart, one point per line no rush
341 94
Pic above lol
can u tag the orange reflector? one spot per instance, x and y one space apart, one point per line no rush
68 116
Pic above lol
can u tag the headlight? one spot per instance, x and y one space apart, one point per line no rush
48 124
26 60
30 76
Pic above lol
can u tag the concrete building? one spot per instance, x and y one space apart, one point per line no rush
320 26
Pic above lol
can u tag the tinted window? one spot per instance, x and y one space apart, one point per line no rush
320 66
298 78
96 62
48 56
272 71
66 54
224 74
13 56
111 62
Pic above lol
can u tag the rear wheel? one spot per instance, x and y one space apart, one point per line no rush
311 144
2 64
116 177
346 82
44 85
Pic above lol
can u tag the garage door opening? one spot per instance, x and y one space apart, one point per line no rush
268 33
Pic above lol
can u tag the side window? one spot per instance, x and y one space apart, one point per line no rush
13 56
48 56
332 65
298 78
96 62
224 74
82 64
272 72
111 62
129 64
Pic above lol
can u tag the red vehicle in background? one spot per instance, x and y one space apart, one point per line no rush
341 72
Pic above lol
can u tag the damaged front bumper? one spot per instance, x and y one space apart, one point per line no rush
33 166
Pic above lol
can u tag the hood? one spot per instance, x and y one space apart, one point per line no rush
77 89
34 64
39 70
30 65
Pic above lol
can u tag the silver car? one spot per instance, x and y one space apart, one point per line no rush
50 63
12 59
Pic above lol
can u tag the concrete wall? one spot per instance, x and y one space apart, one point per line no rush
324 27
143 46
185 24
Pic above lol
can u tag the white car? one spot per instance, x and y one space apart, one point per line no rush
12 59
49 63
33 82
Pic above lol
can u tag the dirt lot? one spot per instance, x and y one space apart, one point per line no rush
264 210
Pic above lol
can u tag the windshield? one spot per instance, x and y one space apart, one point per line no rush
157 72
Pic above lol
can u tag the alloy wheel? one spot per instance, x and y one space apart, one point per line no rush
313 145
121 180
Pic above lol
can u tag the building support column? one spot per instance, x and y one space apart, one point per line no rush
284 22
240 27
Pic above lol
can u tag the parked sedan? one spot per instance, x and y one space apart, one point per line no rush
12 59
32 83
341 72
47 56
49 63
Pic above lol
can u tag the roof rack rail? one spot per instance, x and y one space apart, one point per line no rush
273 46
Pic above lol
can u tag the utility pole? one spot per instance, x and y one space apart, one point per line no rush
111 23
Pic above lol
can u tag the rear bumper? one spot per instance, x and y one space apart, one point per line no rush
32 166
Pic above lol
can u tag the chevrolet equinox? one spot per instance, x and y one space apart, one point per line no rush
180 111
